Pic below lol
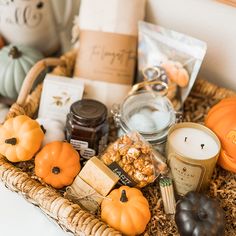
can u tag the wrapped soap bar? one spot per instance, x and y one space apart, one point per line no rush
134 160
98 176
83 194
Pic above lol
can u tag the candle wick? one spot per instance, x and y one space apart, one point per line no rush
185 139
202 145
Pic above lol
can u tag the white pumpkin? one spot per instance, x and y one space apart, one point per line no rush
3 112
54 130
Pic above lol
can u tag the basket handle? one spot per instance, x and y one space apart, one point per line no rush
32 76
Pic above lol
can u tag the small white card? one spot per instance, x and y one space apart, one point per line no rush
57 96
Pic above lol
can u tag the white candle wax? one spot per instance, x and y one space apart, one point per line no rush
193 143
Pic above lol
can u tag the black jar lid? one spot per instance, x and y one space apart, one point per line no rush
89 112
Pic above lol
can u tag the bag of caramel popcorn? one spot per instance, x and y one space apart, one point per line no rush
134 160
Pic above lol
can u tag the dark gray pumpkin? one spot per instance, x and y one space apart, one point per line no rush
198 215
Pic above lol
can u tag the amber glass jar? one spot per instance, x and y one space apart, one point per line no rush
87 127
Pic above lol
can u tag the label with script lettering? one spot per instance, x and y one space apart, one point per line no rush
187 176
106 56
125 179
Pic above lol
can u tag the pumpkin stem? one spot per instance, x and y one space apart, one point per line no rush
12 141
202 215
123 197
43 129
56 170
14 52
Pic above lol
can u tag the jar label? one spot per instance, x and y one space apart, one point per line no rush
83 148
187 176
87 153
78 145
125 179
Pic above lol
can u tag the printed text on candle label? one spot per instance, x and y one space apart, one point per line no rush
187 176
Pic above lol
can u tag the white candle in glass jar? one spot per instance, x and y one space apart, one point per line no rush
194 143
192 151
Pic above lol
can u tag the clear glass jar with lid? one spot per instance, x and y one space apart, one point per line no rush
147 111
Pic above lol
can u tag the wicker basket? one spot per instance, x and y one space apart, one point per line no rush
67 214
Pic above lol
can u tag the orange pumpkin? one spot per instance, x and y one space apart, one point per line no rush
127 210
222 120
226 101
176 73
227 162
20 138
2 43
57 164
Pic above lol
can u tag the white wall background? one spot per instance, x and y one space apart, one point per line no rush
207 20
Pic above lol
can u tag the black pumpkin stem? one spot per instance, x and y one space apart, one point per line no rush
43 129
56 170
14 52
12 141
123 197
202 215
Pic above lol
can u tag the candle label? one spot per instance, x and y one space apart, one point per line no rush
187 176
106 56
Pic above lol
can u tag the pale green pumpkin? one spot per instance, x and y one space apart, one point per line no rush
15 63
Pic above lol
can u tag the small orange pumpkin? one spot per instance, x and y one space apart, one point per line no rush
127 210
57 164
20 138
176 73
222 120
2 43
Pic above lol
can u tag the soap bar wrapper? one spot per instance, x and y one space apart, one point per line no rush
82 193
98 176
134 160
158 45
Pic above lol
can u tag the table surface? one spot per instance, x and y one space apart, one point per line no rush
18 217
